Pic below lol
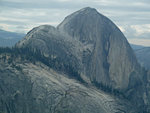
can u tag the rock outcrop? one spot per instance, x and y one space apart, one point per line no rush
91 46
35 88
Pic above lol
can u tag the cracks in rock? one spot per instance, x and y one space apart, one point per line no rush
69 92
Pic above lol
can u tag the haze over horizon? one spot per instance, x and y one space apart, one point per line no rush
132 17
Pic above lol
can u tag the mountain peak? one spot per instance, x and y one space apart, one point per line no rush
84 23
86 46
88 9
98 47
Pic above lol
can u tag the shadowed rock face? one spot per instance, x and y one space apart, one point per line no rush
93 44
111 60
95 47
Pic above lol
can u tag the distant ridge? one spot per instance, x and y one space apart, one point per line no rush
9 39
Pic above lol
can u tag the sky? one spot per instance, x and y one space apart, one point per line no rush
131 16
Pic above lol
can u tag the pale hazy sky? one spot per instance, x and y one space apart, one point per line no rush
131 16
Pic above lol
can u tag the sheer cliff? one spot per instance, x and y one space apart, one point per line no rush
83 65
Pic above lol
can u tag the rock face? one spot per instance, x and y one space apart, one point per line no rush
93 44
37 89
95 49
49 41
111 60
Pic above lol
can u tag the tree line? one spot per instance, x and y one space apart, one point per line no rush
28 54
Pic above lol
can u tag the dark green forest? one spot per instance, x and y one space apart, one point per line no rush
26 54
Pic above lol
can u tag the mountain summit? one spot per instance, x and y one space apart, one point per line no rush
93 43
93 46
84 23
111 59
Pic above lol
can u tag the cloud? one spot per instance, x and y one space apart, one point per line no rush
144 42
141 29
136 31
132 17
41 4
30 18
